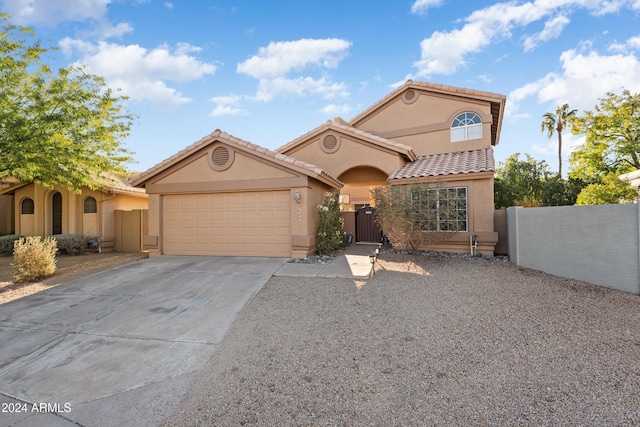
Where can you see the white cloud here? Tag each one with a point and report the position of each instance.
(279, 58)
(632, 43)
(168, 5)
(227, 106)
(336, 110)
(48, 12)
(585, 78)
(444, 52)
(273, 65)
(552, 29)
(139, 72)
(421, 6)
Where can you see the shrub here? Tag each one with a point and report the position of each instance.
(331, 234)
(411, 216)
(72, 244)
(7, 242)
(33, 258)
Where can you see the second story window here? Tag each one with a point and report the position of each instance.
(466, 126)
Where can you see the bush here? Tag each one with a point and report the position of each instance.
(7, 242)
(33, 258)
(331, 234)
(72, 244)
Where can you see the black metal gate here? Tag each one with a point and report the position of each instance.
(366, 229)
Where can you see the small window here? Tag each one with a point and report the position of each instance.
(27, 207)
(466, 126)
(90, 205)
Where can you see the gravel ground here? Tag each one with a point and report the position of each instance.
(427, 341)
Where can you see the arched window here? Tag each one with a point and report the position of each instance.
(90, 205)
(466, 126)
(27, 207)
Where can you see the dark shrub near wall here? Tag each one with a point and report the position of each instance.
(7, 242)
(73, 244)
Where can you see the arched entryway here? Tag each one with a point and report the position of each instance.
(355, 195)
(56, 213)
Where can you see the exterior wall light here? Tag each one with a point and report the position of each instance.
(297, 197)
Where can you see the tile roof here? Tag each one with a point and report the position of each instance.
(432, 87)
(108, 184)
(227, 138)
(454, 163)
(340, 125)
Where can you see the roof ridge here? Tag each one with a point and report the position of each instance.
(428, 85)
(347, 128)
(263, 151)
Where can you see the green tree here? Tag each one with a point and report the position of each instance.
(557, 122)
(611, 148)
(519, 182)
(609, 191)
(557, 191)
(64, 127)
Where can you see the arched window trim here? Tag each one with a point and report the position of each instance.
(465, 126)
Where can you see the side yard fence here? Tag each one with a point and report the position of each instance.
(130, 229)
(594, 244)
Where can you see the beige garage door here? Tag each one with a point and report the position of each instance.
(245, 224)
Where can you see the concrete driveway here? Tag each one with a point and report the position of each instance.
(120, 347)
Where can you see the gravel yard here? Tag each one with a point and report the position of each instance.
(427, 341)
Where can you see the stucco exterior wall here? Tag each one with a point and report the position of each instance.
(480, 214)
(351, 153)
(425, 123)
(596, 244)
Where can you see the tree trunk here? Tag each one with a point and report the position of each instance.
(560, 153)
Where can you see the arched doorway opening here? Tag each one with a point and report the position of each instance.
(355, 195)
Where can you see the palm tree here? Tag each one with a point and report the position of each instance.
(557, 123)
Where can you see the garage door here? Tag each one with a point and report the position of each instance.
(245, 224)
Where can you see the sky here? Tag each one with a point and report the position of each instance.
(270, 71)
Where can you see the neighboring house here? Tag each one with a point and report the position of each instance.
(29, 209)
(226, 196)
(633, 178)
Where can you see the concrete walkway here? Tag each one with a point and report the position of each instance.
(354, 263)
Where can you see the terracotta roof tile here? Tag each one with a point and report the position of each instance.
(223, 136)
(448, 164)
(494, 97)
(347, 129)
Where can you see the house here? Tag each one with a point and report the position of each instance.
(226, 196)
(30, 209)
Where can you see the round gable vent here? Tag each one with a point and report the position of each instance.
(221, 158)
(330, 143)
(410, 96)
